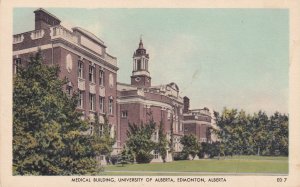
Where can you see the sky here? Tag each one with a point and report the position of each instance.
(234, 58)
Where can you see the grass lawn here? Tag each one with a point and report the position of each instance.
(230, 165)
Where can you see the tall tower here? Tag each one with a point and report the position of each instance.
(140, 74)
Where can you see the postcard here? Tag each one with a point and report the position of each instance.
(131, 93)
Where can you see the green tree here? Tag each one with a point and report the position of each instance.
(101, 138)
(162, 142)
(139, 141)
(242, 133)
(47, 129)
(126, 157)
(278, 140)
(190, 145)
(259, 133)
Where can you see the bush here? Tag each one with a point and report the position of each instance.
(114, 159)
(143, 157)
(181, 156)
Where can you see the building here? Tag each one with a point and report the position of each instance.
(82, 59)
(197, 122)
(92, 72)
(139, 101)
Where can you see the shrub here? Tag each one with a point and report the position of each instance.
(143, 157)
(114, 159)
(181, 156)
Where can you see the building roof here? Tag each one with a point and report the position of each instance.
(45, 11)
(88, 34)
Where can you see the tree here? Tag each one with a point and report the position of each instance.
(162, 142)
(190, 145)
(101, 138)
(47, 129)
(278, 141)
(242, 133)
(259, 132)
(126, 156)
(139, 141)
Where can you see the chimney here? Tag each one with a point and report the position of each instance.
(186, 104)
(44, 19)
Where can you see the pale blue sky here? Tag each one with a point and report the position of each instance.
(236, 58)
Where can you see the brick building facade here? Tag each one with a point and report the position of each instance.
(139, 101)
(92, 72)
(82, 59)
(197, 122)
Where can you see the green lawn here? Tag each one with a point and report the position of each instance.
(230, 165)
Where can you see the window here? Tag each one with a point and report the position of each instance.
(101, 104)
(80, 100)
(91, 129)
(139, 65)
(80, 69)
(155, 154)
(17, 64)
(101, 130)
(124, 114)
(110, 106)
(111, 80)
(91, 73)
(69, 90)
(92, 102)
(101, 77)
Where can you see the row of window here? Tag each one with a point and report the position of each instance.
(92, 103)
(92, 74)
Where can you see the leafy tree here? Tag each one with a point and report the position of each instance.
(171, 142)
(139, 141)
(190, 145)
(162, 142)
(242, 133)
(101, 138)
(47, 129)
(126, 157)
(259, 133)
(278, 141)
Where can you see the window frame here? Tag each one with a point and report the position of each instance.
(101, 77)
(101, 104)
(81, 99)
(80, 66)
(110, 106)
(124, 114)
(92, 73)
(92, 101)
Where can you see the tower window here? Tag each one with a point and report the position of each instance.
(139, 64)
(80, 69)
